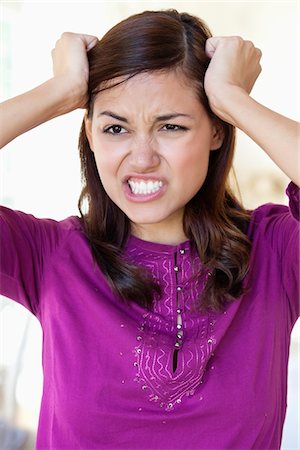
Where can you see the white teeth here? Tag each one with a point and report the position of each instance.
(145, 187)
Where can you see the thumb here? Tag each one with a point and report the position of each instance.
(211, 45)
(89, 41)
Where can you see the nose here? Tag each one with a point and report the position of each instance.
(143, 156)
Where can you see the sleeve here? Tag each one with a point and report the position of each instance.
(25, 244)
(293, 193)
(277, 227)
(291, 252)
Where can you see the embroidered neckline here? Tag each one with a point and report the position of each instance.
(169, 367)
(156, 247)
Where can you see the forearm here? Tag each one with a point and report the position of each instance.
(28, 110)
(277, 135)
(231, 74)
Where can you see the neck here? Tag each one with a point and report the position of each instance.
(158, 234)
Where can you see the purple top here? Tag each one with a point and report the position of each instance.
(109, 381)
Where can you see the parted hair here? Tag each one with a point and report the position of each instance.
(214, 220)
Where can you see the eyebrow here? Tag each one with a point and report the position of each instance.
(157, 119)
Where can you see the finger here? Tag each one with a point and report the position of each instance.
(211, 45)
(90, 41)
(214, 42)
(258, 53)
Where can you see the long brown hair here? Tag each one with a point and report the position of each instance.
(214, 220)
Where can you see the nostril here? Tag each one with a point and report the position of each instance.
(144, 156)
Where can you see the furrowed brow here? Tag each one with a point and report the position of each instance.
(162, 118)
(171, 116)
(113, 115)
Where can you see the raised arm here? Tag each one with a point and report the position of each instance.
(232, 72)
(59, 95)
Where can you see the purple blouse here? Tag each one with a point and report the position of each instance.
(110, 381)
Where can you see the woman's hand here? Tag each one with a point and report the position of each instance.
(70, 64)
(231, 74)
(234, 67)
(63, 93)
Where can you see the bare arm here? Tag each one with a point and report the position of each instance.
(61, 94)
(229, 79)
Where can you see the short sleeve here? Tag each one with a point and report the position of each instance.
(25, 244)
(293, 193)
(276, 228)
(291, 251)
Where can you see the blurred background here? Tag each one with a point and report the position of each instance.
(40, 170)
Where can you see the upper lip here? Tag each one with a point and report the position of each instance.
(145, 177)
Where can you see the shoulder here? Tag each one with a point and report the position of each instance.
(264, 216)
(13, 215)
(275, 226)
(20, 224)
(270, 215)
(275, 235)
(69, 224)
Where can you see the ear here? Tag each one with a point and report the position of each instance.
(88, 130)
(217, 137)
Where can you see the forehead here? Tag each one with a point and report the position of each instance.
(158, 88)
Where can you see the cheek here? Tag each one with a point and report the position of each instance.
(107, 172)
(193, 161)
(106, 160)
(191, 173)
(109, 155)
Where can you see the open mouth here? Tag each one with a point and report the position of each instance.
(143, 187)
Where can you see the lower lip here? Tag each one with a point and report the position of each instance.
(142, 198)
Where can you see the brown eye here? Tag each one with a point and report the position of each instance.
(114, 129)
(173, 127)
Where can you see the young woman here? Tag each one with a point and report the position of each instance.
(166, 307)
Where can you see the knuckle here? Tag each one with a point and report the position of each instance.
(237, 39)
(66, 35)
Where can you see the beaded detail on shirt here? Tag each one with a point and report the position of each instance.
(174, 341)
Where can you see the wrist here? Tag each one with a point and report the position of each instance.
(66, 95)
(229, 103)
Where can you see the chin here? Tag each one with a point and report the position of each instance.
(145, 220)
(151, 216)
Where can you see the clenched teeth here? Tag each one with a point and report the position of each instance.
(145, 187)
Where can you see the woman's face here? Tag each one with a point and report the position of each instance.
(151, 138)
